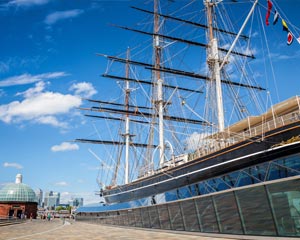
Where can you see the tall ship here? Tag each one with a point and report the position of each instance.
(189, 138)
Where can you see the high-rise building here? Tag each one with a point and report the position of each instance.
(39, 196)
(51, 199)
(76, 202)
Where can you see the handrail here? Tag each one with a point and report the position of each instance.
(234, 138)
(245, 135)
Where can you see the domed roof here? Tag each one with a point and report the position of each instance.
(17, 192)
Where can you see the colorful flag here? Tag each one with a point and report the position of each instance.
(268, 12)
(284, 26)
(289, 38)
(276, 17)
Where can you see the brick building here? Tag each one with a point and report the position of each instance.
(17, 200)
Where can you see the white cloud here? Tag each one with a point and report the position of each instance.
(39, 87)
(281, 56)
(28, 78)
(65, 146)
(88, 197)
(83, 89)
(100, 167)
(62, 183)
(51, 120)
(65, 197)
(37, 106)
(80, 181)
(26, 3)
(13, 165)
(61, 15)
(62, 194)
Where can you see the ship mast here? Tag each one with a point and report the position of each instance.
(159, 82)
(214, 60)
(214, 64)
(127, 134)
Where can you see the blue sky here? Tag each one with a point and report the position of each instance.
(48, 63)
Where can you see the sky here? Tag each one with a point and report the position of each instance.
(48, 63)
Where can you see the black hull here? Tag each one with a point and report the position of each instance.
(247, 153)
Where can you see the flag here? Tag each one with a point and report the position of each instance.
(268, 12)
(284, 26)
(276, 17)
(289, 38)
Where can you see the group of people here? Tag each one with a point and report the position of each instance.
(22, 216)
(46, 216)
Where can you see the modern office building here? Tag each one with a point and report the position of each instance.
(51, 200)
(39, 196)
(76, 202)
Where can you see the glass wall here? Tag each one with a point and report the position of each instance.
(270, 209)
(277, 169)
(259, 200)
(255, 211)
(285, 201)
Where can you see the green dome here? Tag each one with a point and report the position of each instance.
(17, 192)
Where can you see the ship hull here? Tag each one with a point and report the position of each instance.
(246, 153)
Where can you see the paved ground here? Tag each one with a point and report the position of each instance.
(70, 230)
(56, 230)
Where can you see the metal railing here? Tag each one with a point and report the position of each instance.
(214, 145)
(257, 131)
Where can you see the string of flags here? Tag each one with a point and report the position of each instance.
(290, 36)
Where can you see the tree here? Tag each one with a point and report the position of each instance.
(60, 208)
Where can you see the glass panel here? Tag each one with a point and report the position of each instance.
(291, 162)
(258, 171)
(131, 219)
(164, 217)
(219, 184)
(255, 211)
(189, 214)
(203, 189)
(108, 220)
(145, 217)
(227, 213)
(245, 179)
(183, 192)
(175, 216)
(105, 220)
(154, 217)
(194, 189)
(231, 178)
(137, 217)
(171, 195)
(117, 220)
(124, 218)
(207, 215)
(277, 172)
(127, 218)
(114, 219)
(285, 200)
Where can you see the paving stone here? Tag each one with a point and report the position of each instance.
(56, 230)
